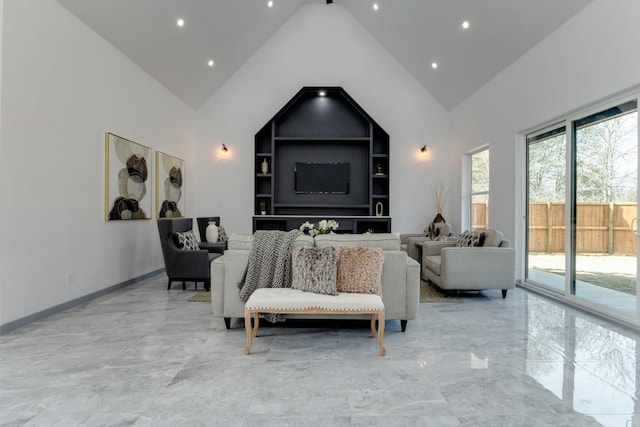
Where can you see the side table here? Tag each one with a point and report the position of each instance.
(213, 248)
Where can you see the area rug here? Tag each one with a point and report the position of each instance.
(202, 296)
(431, 293)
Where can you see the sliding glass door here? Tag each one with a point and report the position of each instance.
(582, 194)
(605, 191)
(546, 190)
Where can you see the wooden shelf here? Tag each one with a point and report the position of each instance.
(347, 224)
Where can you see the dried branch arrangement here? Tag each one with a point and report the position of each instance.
(440, 194)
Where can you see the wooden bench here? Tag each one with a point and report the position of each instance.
(292, 301)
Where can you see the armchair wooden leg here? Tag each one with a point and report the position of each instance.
(169, 285)
(504, 293)
(184, 286)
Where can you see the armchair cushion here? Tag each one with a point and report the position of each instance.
(314, 270)
(493, 238)
(470, 239)
(432, 263)
(222, 234)
(186, 240)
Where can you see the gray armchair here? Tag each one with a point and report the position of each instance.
(183, 265)
(490, 266)
(411, 243)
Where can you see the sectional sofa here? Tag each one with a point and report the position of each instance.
(400, 274)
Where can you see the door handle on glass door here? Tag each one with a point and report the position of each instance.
(634, 230)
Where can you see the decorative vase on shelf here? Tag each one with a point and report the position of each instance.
(379, 209)
(265, 166)
(211, 233)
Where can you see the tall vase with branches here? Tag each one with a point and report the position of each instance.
(440, 194)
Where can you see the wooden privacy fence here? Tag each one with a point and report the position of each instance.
(602, 228)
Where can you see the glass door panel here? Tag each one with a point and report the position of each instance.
(606, 194)
(546, 178)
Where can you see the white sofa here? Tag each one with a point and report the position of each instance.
(400, 274)
(490, 266)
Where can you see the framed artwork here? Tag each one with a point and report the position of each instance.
(127, 179)
(169, 186)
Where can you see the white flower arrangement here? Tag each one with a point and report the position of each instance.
(322, 227)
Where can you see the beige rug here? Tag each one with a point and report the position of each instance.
(201, 296)
(431, 293)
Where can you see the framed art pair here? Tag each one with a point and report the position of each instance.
(128, 181)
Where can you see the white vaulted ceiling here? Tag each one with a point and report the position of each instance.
(415, 32)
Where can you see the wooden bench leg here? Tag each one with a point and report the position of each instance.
(256, 323)
(380, 332)
(373, 325)
(383, 351)
(249, 329)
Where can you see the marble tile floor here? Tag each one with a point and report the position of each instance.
(144, 356)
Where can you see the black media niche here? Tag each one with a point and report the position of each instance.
(322, 157)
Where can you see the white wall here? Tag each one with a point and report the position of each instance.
(319, 46)
(62, 87)
(594, 55)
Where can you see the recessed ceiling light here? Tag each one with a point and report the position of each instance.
(210, 63)
(434, 65)
(322, 93)
(375, 6)
(270, 3)
(180, 22)
(465, 25)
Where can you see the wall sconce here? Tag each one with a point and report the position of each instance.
(224, 152)
(423, 151)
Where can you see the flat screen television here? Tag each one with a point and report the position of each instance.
(321, 178)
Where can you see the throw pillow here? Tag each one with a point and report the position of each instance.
(222, 234)
(470, 239)
(186, 240)
(360, 269)
(314, 270)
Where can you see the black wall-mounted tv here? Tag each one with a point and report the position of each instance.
(321, 178)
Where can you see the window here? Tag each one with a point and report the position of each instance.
(479, 190)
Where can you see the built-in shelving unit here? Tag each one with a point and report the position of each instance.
(322, 126)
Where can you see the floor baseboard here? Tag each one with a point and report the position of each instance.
(23, 321)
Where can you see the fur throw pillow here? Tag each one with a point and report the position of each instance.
(360, 269)
(314, 269)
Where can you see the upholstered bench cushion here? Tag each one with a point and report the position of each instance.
(291, 300)
(433, 263)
